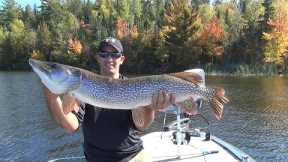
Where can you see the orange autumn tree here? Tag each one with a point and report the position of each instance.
(121, 27)
(124, 31)
(75, 46)
(277, 39)
(212, 37)
(213, 31)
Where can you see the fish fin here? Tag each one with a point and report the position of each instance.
(189, 76)
(217, 102)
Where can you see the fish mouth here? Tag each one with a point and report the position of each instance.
(39, 66)
(33, 63)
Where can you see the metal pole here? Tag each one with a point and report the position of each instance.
(179, 130)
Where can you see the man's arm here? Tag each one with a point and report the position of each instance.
(144, 116)
(68, 121)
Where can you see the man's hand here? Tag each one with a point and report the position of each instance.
(189, 106)
(69, 104)
(48, 93)
(144, 116)
(162, 100)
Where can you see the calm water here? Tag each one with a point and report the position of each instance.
(255, 120)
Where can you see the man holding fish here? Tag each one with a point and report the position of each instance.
(109, 135)
(112, 108)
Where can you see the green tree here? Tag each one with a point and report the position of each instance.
(197, 3)
(17, 46)
(124, 10)
(106, 9)
(181, 30)
(206, 12)
(3, 39)
(276, 48)
(234, 25)
(252, 13)
(29, 17)
(17, 34)
(3, 35)
(159, 14)
(268, 13)
(105, 17)
(44, 40)
(9, 12)
(148, 16)
(136, 10)
(75, 7)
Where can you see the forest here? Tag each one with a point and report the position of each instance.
(159, 36)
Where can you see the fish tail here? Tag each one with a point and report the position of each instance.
(217, 102)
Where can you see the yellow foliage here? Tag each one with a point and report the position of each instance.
(121, 27)
(166, 30)
(277, 39)
(124, 31)
(75, 46)
(37, 55)
(267, 36)
(276, 48)
(134, 32)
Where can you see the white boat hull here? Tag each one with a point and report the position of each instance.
(161, 147)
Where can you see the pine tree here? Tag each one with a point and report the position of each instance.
(181, 29)
(136, 10)
(9, 12)
(29, 17)
(268, 13)
(124, 10)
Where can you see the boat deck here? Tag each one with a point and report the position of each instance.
(160, 146)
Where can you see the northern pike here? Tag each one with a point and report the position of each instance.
(129, 93)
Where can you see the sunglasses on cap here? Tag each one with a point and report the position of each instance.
(110, 40)
(114, 55)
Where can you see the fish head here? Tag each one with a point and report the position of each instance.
(58, 78)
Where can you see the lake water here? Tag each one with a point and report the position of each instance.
(255, 120)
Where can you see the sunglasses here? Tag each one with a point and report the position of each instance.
(114, 55)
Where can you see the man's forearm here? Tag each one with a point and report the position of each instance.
(67, 121)
(143, 117)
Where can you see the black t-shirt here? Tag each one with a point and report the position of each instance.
(109, 134)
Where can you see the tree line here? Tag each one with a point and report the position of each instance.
(158, 35)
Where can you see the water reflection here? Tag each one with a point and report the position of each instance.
(255, 120)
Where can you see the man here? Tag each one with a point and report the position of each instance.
(109, 135)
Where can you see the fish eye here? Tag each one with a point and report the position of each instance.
(53, 65)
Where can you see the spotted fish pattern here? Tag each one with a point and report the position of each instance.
(130, 93)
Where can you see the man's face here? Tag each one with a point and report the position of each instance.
(109, 65)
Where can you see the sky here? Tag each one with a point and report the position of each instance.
(23, 3)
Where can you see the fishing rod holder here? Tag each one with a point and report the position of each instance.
(183, 127)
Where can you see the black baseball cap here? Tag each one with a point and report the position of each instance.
(112, 42)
